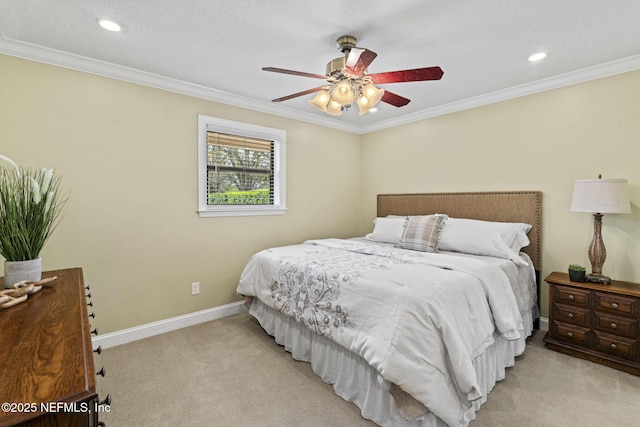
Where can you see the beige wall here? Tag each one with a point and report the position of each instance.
(127, 154)
(539, 142)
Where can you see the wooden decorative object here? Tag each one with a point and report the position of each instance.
(597, 253)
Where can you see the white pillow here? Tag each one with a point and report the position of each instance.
(496, 239)
(387, 229)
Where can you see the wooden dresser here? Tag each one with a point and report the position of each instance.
(595, 322)
(46, 357)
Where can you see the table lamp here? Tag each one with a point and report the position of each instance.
(599, 196)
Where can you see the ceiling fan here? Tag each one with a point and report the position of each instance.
(348, 81)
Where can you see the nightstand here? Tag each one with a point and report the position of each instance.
(595, 322)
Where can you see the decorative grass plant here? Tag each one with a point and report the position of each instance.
(30, 207)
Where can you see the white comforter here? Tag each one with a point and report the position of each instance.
(418, 318)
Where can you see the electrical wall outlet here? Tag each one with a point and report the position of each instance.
(195, 288)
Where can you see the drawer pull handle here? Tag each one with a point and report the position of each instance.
(95, 331)
(98, 350)
(614, 305)
(90, 304)
(614, 346)
(613, 325)
(570, 334)
(571, 297)
(570, 315)
(106, 401)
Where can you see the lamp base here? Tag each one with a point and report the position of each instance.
(598, 278)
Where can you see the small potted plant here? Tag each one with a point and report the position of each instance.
(577, 273)
(30, 207)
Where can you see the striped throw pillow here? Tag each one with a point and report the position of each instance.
(421, 233)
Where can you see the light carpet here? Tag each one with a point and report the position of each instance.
(229, 372)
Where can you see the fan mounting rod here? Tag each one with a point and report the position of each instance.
(345, 44)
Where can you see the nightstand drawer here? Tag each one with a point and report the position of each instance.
(616, 303)
(617, 346)
(571, 333)
(568, 295)
(616, 325)
(597, 322)
(571, 314)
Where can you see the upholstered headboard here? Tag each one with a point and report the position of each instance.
(508, 206)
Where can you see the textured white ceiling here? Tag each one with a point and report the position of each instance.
(216, 49)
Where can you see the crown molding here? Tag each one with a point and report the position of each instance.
(631, 63)
(80, 63)
(106, 69)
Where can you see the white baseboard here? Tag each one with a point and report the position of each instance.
(544, 324)
(160, 327)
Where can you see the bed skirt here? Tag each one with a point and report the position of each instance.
(355, 381)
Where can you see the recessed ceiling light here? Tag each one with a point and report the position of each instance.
(537, 56)
(109, 25)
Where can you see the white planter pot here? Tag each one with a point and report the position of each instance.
(16, 271)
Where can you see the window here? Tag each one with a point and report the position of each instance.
(241, 168)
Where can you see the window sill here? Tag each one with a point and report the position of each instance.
(236, 211)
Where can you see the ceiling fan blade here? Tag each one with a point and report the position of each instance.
(295, 95)
(295, 73)
(393, 99)
(415, 75)
(358, 61)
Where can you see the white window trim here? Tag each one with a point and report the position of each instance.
(243, 129)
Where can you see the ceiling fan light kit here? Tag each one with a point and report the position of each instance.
(341, 95)
(334, 108)
(348, 81)
(321, 100)
(371, 95)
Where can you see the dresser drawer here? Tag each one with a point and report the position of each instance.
(571, 333)
(616, 325)
(617, 346)
(616, 304)
(594, 321)
(569, 295)
(572, 314)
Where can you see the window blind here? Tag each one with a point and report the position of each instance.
(240, 170)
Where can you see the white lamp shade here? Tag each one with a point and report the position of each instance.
(601, 196)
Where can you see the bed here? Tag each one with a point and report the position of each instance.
(416, 331)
